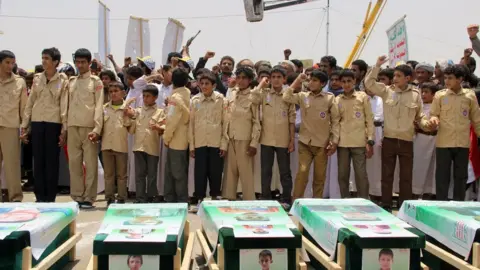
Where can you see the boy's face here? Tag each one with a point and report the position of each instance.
(315, 85)
(130, 81)
(348, 84)
(106, 81)
(385, 262)
(243, 81)
(400, 80)
(207, 87)
(384, 79)
(358, 73)
(277, 80)
(335, 82)
(134, 263)
(427, 96)
(265, 262)
(263, 75)
(452, 82)
(116, 94)
(149, 99)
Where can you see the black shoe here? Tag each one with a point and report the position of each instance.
(28, 186)
(121, 201)
(87, 205)
(110, 201)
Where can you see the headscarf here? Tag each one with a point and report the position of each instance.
(443, 64)
(425, 66)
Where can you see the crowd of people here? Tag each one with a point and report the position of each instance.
(316, 123)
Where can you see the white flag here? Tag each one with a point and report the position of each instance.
(397, 43)
(172, 42)
(103, 32)
(138, 38)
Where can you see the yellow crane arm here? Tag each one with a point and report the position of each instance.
(370, 20)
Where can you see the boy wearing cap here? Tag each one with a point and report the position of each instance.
(147, 64)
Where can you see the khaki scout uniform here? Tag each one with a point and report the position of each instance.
(276, 117)
(13, 97)
(146, 150)
(46, 116)
(356, 128)
(320, 125)
(176, 137)
(207, 138)
(242, 130)
(456, 112)
(85, 115)
(115, 150)
(401, 109)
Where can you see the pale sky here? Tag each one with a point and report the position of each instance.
(436, 28)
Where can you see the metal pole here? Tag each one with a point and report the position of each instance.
(328, 25)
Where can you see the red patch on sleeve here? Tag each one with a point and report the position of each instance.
(172, 103)
(99, 87)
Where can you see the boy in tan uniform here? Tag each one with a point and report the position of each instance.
(242, 129)
(453, 111)
(356, 136)
(176, 139)
(147, 129)
(13, 97)
(85, 122)
(319, 131)
(115, 143)
(402, 106)
(208, 144)
(278, 133)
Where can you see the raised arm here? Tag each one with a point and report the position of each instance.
(379, 89)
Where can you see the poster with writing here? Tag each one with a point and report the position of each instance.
(397, 43)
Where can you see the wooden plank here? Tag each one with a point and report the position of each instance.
(319, 255)
(177, 260)
(220, 257)
(187, 256)
(424, 267)
(341, 255)
(449, 258)
(58, 253)
(476, 255)
(301, 265)
(72, 227)
(27, 258)
(186, 233)
(207, 253)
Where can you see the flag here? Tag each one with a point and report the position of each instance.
(397, 42)
(172, 42)
(103, 32)
(138, 38)
(474, 157)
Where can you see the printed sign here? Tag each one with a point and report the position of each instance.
(385, 259)
(133, 262)
(397, 43)
(264, 259)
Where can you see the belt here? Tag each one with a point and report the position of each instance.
(428, 133)
(378, 123)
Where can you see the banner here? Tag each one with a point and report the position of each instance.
(103, 32)
(172, 42)
(397, 42)
(138, 38)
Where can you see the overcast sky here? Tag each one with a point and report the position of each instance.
(436, 28)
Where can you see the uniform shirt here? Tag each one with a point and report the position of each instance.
(145, 139)
(115, 128)
(276, 116)
(456, 112)
(242, 121)
(85, 102)
(13, 97)
(356, 119)
(178, 115)
(206, 121)
(48, 101)
(320, 117)
(401, 108)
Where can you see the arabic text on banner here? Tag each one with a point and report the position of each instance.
(397, 43)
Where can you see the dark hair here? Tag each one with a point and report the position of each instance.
(292, 77)
(179, 77)
(15, 68)
(148, 71)
(387, 72)
(336, 73)
(347, 73)
(116, 84)
(265, 253)
(108, 73)
(413, 63)
(135, 72)
(208, 75)
(6, 54)
(430, 86)
(297, 63)
(82, 53)
(279, 69)
(456, 70)
(54, 53)
(201, 71)
(332, 62)
(309, 69)
(362, 65)
(322, 76)
(405, 69)
(135, 256)
(247, 71)
(264, 70)
(227, 57)
(173, 54)
(39, 68)
(151, 89)
(385, 251)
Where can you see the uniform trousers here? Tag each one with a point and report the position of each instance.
(115, 166)
(10, 155)
(175, 187)
(283, 159)
(444, 158)
(238, 164)
(145, 176)
(306, 155)
(347, 155)
(208, 169)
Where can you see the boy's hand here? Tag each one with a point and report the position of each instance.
(62, 139)
(192, 153)
(93, 137)
(472, 30)
(208, 55)
(232, 82)
(467, 52)
(302, 77)
(433, 123)
(381, 60)
(24, 135)
(369, 152)
(127, 61)
(129, 112)
(331, 148)
(287, 53)
(291, 146)
(223, 153)
(251, 151)
(263, 83)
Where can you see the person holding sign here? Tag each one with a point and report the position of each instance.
(472, 33)
(402, 107)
